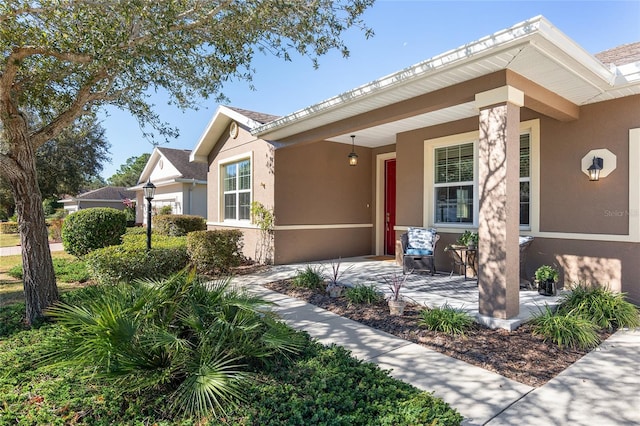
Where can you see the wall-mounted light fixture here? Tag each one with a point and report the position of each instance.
(594, 168)
(598, 163)
(353, 157)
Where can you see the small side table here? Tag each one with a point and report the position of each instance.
(462, 257)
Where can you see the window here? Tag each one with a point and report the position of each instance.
(455, 185)
(236, 179)
(525, 179)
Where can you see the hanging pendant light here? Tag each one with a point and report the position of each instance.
(353, 157)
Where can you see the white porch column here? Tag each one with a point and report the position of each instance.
(499, 196)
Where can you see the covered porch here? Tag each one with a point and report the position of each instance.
(420, 288)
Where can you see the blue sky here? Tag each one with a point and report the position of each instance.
(406, 32)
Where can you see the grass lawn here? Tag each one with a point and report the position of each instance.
(11, 290)
(9, 240)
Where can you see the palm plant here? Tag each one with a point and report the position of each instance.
(190, 339)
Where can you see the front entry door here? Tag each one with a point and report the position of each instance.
(390, 207)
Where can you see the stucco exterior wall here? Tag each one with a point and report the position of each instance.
(195, 199)
(569, 202)
(323, 205)
(228, 149)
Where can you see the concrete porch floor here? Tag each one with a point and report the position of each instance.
(421, 288)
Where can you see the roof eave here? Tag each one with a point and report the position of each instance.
(219, 122)
(537, 32)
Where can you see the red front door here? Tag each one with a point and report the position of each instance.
(390, 207)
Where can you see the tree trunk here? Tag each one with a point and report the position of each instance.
(38, 277)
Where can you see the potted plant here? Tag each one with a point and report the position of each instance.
(468, 239)
(395, 300)
(546, 277)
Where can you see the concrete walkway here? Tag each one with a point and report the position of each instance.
(11, 251)
(603, 388)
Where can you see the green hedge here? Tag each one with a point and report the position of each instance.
(215, 251)
(8, 227)
(91, 229)
(131, 260)
(177, 225)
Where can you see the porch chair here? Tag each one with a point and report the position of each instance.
(525, 242)
(419, 249)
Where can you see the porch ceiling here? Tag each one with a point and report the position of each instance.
(533, 49)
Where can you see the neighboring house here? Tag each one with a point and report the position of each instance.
(180, 184)
(109, 196)
(495, 136)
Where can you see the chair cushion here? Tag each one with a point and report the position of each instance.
(524, 239)
(421, 239)
(418, 252)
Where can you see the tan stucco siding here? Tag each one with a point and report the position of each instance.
(227, 150)
(323, 205)
(569, 202)
(411, 168)
(613, 264)
(321, 244)
(316, 186)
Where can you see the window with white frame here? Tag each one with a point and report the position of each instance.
(525, 179)
(236, 200)
(455, 183)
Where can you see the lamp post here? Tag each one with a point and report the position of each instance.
(149, 191)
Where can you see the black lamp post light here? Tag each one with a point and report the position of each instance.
(149, 191)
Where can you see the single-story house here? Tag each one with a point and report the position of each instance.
(181, 185)
(108, 196)
(498, 136)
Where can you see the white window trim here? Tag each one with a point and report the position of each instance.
(532, 127)
(221, 165)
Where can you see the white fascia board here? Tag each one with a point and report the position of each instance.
(523, 33)
(576, 52)
(194, 181)
(459, 56)
(148, 168)
(219, 122)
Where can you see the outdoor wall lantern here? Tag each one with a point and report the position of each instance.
(149, 191)
(594, 169)
(598, 163)
(353, 157)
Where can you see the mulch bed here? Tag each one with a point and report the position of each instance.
(519, 355)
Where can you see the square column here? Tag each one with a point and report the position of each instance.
(499, 197)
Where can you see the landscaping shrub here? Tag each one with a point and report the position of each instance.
(131, 260)
(363, 294)
(446, 319)
(54, 226)
(90, 229)
(8, 227)
(566, 329)
(191, 340)
(215, 251)
(135, 230)
(601, 306)
(68, 271)
(309, 277)
(177, 225)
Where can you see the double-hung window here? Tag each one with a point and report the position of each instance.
(236, 201)
(525, 179)
(455, 183)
